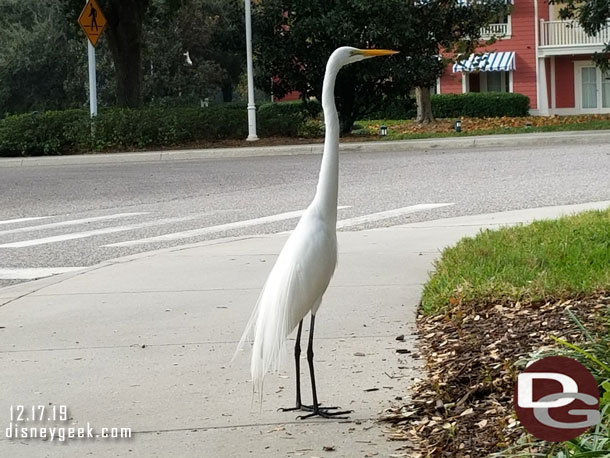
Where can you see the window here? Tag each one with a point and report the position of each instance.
(589, 87)
(494, 82)
(491, 82)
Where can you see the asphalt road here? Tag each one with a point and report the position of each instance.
(84, 208)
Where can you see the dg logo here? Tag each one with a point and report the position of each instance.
(557, 399)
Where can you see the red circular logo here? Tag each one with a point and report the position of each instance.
(557, 399)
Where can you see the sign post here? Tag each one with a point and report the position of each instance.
(92, 21)
(92, 80)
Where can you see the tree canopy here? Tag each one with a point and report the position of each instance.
(295, 37)
(140, 57)
(37, 56)
(43, 53)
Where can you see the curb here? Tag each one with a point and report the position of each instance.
(483, 141)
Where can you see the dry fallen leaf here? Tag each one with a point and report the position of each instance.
(465, 402)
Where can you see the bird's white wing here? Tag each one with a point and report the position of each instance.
(294, 287)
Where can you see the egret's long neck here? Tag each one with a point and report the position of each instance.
(328, 184)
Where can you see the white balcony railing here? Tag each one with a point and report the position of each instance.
(569, 33)
(495, 30)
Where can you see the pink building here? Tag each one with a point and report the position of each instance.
(540, 56)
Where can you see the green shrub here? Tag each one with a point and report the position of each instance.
(399, 108)
(72, 131)
(311, 128)
(52, 132)
(479, 105)
(285, 118)
(125, 128)
(472, 104)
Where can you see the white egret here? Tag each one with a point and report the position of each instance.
(307, 261)
(188, 60)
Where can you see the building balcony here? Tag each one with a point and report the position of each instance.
(567, 37)
(498, 31)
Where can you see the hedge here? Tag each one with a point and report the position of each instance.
(397, 108)
(480, 105)
(472, 104)
(286, 118)
(38, 134)
(70, 131)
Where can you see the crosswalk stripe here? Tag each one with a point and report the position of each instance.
(213, 229)
(373, 217)
(73, 222)
(22, 220)
(108, 230)
(32, 273)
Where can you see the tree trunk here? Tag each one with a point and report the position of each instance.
(124, 33)
(345, 99)
(227, 91)
(346, 122)
(424, 105)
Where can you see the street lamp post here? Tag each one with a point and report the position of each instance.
(251, 105)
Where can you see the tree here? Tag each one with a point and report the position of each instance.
(38, 55)
(452, 27)
(147, 39)
(593, 16)
(295, 37)
(125, 39)
(124, 33)
(170, 31)
(227, 41)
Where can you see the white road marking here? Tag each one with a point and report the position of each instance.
(32, 273)
(212, 229)
(22, 220)
(108, 230)
(73, 222)
(342, 224)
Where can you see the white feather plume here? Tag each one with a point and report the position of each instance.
(294, 287)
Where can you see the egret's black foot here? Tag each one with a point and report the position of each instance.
(305, 408)
(323, 412)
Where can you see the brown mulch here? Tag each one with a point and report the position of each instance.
(444, 125)
(465, 406)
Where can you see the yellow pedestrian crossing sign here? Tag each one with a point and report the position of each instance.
(92, 21)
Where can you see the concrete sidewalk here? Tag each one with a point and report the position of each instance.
(145, 342)
(449, 143)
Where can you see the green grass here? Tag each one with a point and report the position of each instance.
(554, 259)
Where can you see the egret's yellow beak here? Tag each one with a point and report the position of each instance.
(376, 52)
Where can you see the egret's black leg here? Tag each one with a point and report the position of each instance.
(297, 364)
(316, 409)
